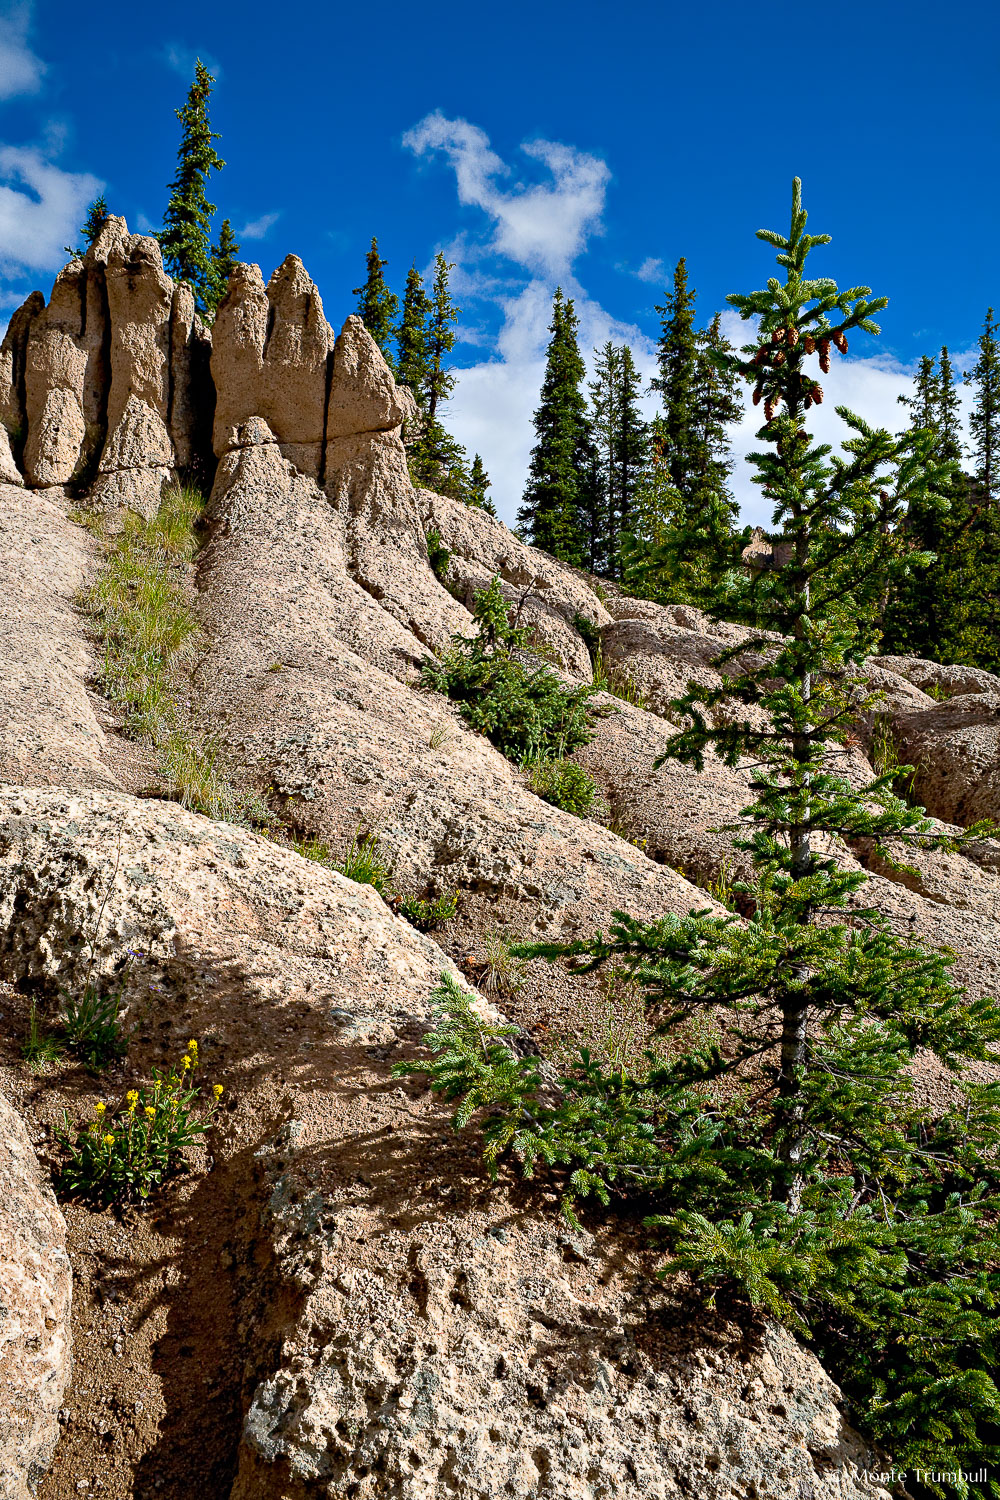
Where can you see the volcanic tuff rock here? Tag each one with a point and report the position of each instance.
(35, 1295)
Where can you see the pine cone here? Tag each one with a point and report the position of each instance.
(824, 363)
(841, 342)
(768, 409)
(824, 348)
(810, 344)
(757, 395)
(807, 402)
(792, 337)
(776, 336)
(779, 358)
(817, 394)
(760, 356)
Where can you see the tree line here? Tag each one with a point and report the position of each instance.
(649, 503)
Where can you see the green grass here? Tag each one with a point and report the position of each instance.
(141, 612)
(149, 632)
(425, 913)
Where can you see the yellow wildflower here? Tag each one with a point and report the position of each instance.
(192, 1045)
(217, 1091)
(133, 1099)
(109, 1140)
(150, 1112)
(99, 1108)
(185, 1064)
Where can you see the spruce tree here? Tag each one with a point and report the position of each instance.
(984, 419)
(440, 339)
(621, 439)
(677, 356)
(790, 1161)
(185, 238)
(225, 257)
(946, 606)
(561, 460)
(97, 213)
(479, 484)
(411, 338)
(378, 306)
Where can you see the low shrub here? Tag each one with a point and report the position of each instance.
(122, 1155)
(438, 555)
(525, 711)
(564, 784)
(426, 914)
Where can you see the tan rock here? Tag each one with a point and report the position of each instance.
(271, 359)
(238, 337)
(138, 458)
(476, 1350)
(50, 733)
(949, 681)
(955, 747)
(363, 395)
(62, 342)
(35, 1298)
(546, 593)
(13, 413)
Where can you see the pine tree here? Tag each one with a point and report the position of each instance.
(378, 306)
(479, 485)
(225, 257)
(185, 238)
(790, 1161)
(984, 419)
(946, 607)
(411, 338)
(97, 213)
(563, 456)
(440, 339)
(677, 356)
(621, 438)
(690, 476)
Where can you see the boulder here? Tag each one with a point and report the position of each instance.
(945, 681)
(955, 747)
(476, 1350)
(35, 1300)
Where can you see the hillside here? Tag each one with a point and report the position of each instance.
(335, 1300)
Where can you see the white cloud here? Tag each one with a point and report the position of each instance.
(256, 229)
(543, 227)
(20, 70)
(652, 269)
(41, 209)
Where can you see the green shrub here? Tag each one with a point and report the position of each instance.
(590, 632)
(564, 784)
(122, 1155)
(438, 555)
(525, 711)
(426, 914)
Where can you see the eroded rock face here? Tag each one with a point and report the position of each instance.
(481, 1354)
(35, 1298)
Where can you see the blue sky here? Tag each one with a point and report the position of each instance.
(535, 143)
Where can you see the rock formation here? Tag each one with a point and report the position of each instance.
(398, 1326)
(35, 1294)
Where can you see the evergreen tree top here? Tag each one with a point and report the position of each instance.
(377, 305)
(187, 222)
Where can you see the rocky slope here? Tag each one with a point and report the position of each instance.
(362, 1312)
